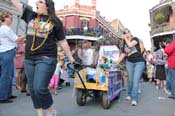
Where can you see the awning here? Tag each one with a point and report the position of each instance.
(82, 37)
(160, 5)
(163, 33)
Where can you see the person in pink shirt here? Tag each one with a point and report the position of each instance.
(55, 79)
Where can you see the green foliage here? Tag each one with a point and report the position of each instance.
(89, 33)
(159, 17)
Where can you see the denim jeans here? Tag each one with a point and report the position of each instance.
(39, 72)
(135, 71)
(7, 73)
(171, 72)
(168, 84)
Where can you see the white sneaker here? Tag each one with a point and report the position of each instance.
(157, 87)
(128, 98)
(133, 103)
(52, 114)
(139, 91)
(167, 91)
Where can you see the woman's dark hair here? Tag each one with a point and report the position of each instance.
(162, 45)
(4, 15)
(51, 11)
(98, 43)
(168, 41)
(148, 51)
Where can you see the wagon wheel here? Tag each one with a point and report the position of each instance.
(105, 101)
(81, 97)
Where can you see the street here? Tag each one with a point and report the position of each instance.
(152, 102)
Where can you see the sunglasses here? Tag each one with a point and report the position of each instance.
(126, 32)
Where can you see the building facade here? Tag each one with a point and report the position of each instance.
(118, 26)
(162, 22)
(85, 22)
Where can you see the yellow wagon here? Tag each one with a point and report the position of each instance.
(105, 82)
(107, 86)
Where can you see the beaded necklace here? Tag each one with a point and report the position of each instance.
(36, 29)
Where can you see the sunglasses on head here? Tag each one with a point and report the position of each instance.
(126, 31)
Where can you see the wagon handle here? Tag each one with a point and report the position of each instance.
(77, 67)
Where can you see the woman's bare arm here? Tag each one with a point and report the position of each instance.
(64, 45)
(20, 39)
(121, 57)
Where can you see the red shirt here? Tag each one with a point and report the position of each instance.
(170, 51)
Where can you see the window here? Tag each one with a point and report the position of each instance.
(84, 24)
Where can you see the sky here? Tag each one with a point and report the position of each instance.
(134, 14)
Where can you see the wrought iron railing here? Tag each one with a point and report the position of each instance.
(164, 27)
(78, 31)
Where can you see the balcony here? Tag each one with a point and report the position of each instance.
(162, 18)
(90, 32)
(78, 31)
(159, 28)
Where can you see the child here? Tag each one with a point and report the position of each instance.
(54, 80)
(65, 75)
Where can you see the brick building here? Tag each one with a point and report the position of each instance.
(85, 22)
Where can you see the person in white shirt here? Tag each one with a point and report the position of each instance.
(8, 43)
(88, 54)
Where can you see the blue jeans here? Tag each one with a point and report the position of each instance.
(7, 73)
(39, 72)
(168, 84)
(171, 72)
(135, 71)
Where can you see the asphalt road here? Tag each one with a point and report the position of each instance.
(152, 102)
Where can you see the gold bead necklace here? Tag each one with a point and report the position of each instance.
(36, 29)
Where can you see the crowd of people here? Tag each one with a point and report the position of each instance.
(158, 63)
(38, 60)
